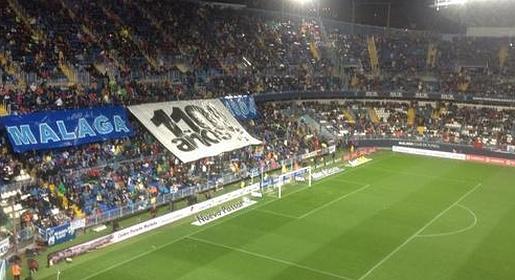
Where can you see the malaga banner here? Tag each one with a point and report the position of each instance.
(193, 129)
(241, 107)
(57, 129)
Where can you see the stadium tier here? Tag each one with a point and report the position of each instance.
(110, 109)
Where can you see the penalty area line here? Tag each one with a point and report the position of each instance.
(467, 228)
(243, 251)
(276, 214)
(101, 271)
(416, 234)
(334, 201)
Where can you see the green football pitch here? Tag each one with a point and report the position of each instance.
(396, 217)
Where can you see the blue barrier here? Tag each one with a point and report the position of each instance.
(399, 95)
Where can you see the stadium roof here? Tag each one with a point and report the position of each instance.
(411, 14)
(479, 13)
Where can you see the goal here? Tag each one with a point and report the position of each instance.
(273, 184)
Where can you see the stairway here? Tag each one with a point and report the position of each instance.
(438, 112)
(24, 16)
(13, 69)
(65, 67)
(503, 56)
(152, 19)
(411, 116)
(158, 25)
(372, 114)
(510, 60)
(67, 70)
(113, 56)
(349, 116)
(315, 52)
(435, 114)
(316, 125)
(374, 58)
(72, 15)
(3, 109)
(331, 54)
(136, 40)
(421, 129)
(184, 68)
(432, 52)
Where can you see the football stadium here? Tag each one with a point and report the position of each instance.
(257, 140)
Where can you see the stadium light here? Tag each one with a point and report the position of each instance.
(302, 2)
(446, 3)
(443, 3)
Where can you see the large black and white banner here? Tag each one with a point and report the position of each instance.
(5, 245)
(193, 129)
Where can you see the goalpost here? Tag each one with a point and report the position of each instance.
(3, 269)
(273, 184)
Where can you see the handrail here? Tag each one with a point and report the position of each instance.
(225, 179)
(385, 95)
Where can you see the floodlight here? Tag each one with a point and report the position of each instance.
(302, 2)
(446, 3)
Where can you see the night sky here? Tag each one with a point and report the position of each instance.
(411, 14)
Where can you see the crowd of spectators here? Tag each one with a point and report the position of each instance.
(33, 54)
(211, 52)
(425, 62)
(97, 177)
(218, 51)
(479, 126)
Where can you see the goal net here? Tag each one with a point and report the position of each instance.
(272, 185)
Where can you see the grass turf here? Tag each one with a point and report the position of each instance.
(397, 217)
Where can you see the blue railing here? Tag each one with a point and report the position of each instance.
(140, 206)
(225, 179)
(401, 95)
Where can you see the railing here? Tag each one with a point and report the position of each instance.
(470, 97)
(145, 77)
(327, 26)
(12, 68)
(131, 209)
(112, 161)
(225, 179)
(14, 186)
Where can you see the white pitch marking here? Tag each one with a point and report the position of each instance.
(419, 175)
(216, 244)
(334, 201)
(276, 214)
(186, 236)
(348, 181)
(418, 232)
(469, 227)
(222, 221)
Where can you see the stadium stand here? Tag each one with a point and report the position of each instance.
(100, 177)
(185, 50)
